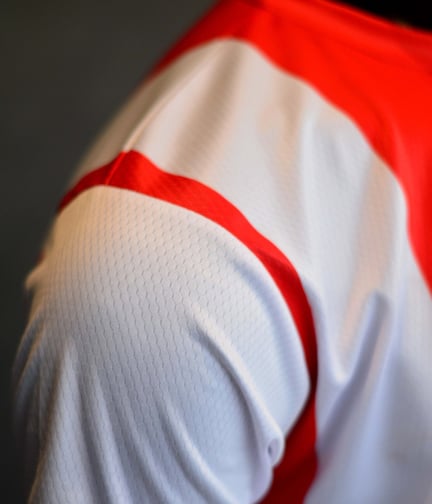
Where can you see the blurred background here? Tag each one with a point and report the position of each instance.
(66, 68)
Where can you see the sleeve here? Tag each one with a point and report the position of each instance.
(160, 363)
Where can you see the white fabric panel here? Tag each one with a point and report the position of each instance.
(375, 401)
(156, 378)
(121, 131)
(303, 174)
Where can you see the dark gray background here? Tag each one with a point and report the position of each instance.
(65, 69)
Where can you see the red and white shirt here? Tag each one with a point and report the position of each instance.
(234, 304)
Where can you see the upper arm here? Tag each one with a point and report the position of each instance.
(160, 362)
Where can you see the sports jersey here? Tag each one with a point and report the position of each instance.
(234, 303)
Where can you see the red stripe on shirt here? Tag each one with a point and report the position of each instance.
(133, 171)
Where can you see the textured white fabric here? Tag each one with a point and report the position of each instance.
(155, 381)
(160, 361)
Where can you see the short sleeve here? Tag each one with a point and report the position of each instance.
(159, 364)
